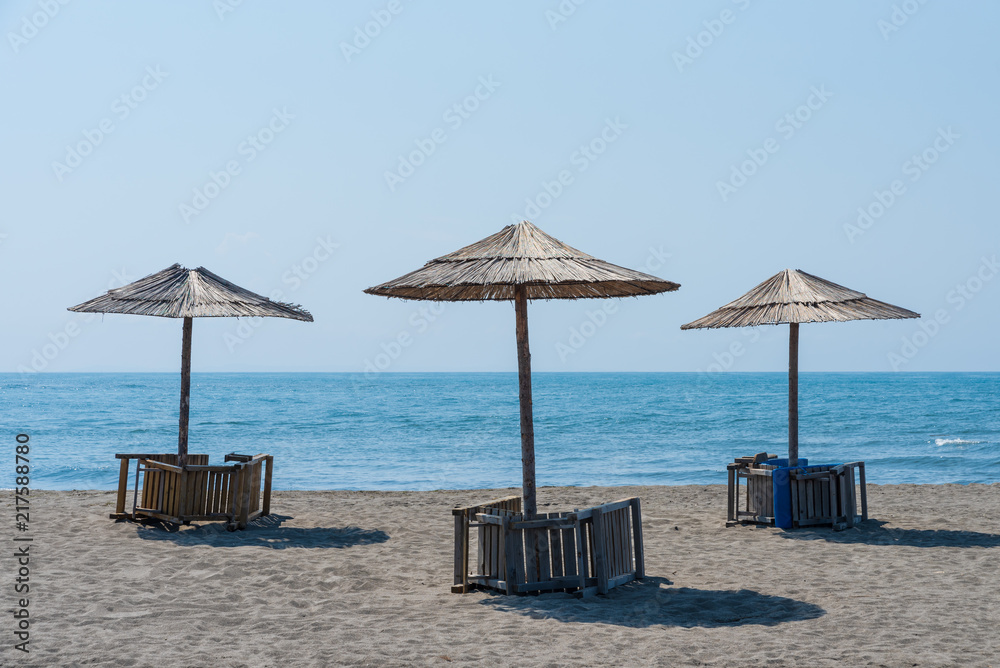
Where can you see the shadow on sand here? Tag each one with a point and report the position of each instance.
(874, 532)
(650, 602)
(264, 531)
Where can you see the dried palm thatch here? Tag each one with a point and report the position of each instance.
(792, 297)
(177, 292)
(795, 296)
(520, 263)
(520, 255)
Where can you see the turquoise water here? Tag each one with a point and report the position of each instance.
(440, 431)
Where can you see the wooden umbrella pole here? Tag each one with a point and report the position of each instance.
(182, 431)
(524, 392)
(793, 394)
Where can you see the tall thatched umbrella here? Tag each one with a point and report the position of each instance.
(792, 297)
(518, 263)
(177, 292)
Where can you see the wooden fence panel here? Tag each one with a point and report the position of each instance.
(589, 551)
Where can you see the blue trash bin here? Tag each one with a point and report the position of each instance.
(780, 480)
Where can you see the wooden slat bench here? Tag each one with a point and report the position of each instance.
(758, 507)
(196, 492)
(829, 496)
(585, 551)
(818, 495)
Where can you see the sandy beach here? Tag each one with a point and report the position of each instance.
(363, 578)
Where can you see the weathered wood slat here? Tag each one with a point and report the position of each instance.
(803, 501)
(731, 486)
(225, 496)
(481, 538)
(519, 567)
(569, 552)
(167, 503)
(258, 476)
(551, 585)
(268, 472)
(207, 517)
(542, 524)
(544, 556)
(461, 553)
(615, 505)
(184, 493)
(864, 491)
(556, 551)
(796, 508)
(581, 555)
(615, 544)
(198, 494)
(600, 555)
(810, 498)
(824, 486)
(640, 555)
(510, 556)
(122, 487)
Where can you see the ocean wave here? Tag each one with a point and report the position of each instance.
(955, 441)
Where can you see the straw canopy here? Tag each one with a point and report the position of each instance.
(520, 263)
(789, 298)
(520, 255)
(793, 296)
(177, 292)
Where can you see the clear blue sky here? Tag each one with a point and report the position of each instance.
(186, 89)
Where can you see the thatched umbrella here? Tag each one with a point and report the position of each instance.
(518, 263)
(177, 292)
(792, 297)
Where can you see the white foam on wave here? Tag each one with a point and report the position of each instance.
(954, 441)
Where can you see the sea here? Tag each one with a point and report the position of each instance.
(428, 431)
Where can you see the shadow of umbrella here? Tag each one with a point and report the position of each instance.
(268, 532)
(874, 532)
(646, 603)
